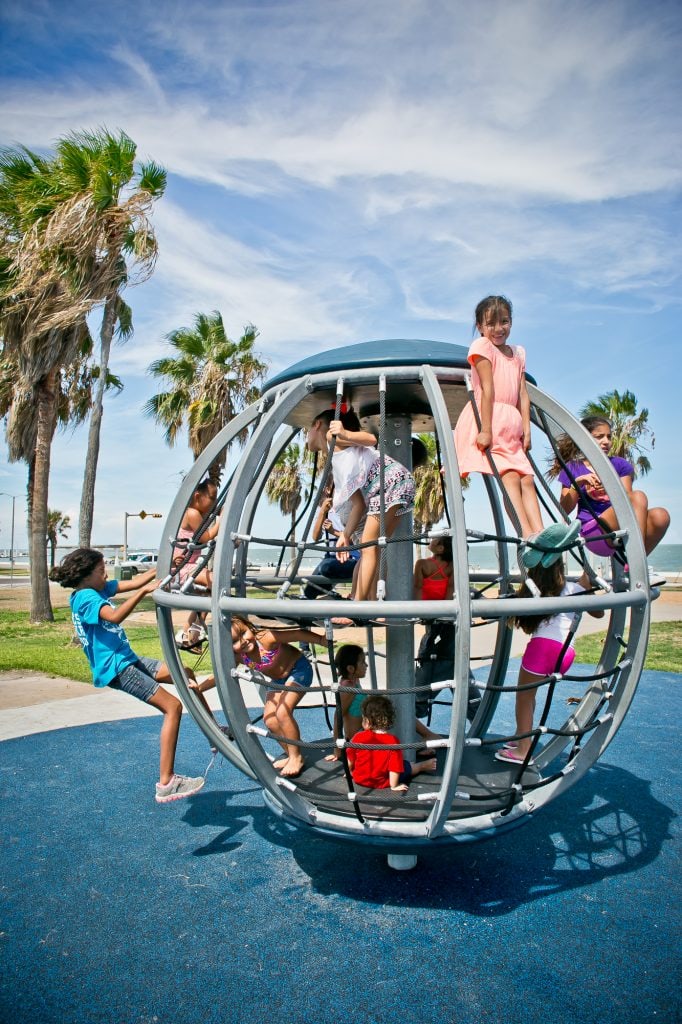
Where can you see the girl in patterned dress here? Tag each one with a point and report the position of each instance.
(356, 466)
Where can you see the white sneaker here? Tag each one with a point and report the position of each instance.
(655, 578)
(178, 787)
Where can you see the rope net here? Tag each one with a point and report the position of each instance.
(474, 723)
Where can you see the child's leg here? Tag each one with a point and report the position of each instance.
(657, 523)
(424, 732)
(524, 500)
(525, 709)
(653, 523)
(284, 724)
(163, 676)
(171, 709)
(196, 621)
(428, 765)
(369, 562)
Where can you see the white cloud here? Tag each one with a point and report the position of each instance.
(520, 99)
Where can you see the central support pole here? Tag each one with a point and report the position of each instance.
(399, 587)
(400, 636)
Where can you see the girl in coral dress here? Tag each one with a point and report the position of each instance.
(497, 375)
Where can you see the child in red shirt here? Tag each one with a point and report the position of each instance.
(379, 769)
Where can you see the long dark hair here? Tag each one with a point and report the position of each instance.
(446, 554)
(550, 581)
(76, 566)
(568, 450)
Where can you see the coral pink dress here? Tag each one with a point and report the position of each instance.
(507, 427)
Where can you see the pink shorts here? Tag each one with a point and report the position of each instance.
(541, 654)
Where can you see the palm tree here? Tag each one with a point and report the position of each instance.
(210, 380)
(285, 486)
(429, 504)
(42, 331)
(18, 405)
(105, 165)
(58, 258)
(627, 425)
(58, 525)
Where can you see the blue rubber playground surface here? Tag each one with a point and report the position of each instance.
(118, 911)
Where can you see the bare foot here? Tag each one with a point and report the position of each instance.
(280, 763)
(425, 766)
(293, 768)
(332, 757)
(342, 622)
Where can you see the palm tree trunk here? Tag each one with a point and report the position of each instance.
(87, 508)
(30, 487)
(41, 608)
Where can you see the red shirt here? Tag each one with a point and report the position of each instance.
(371, 767)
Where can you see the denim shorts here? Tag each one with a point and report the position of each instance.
(301, 674)
(139, 679)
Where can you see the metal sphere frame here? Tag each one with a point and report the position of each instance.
(427, 382)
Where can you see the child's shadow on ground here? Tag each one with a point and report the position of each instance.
(212, 808)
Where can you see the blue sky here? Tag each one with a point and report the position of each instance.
(346, 171)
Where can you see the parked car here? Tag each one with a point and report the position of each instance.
(140, 561)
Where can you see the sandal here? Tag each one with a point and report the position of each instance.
(509, 754)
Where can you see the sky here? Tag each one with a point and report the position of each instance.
(343, 171)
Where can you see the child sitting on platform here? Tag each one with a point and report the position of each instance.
(381, 769)
(351, 666)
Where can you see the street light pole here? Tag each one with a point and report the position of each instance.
(11, 543)
(135, 515)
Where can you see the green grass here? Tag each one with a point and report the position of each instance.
(664, 653)
(49, 648)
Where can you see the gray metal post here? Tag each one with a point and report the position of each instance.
(399, 636)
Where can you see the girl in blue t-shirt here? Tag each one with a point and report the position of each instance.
(113, 662)
(584, 489)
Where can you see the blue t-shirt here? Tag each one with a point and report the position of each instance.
(590, 507)
(105, 643)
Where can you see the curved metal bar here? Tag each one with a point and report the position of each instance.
(223, 656)
(589, 728)
(459, 607)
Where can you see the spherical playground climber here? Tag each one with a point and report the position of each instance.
(399, 388)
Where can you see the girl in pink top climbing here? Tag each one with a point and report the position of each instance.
(497, 375)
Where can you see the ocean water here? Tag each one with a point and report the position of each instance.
(666, 558)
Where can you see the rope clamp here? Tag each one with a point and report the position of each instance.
(285, 783)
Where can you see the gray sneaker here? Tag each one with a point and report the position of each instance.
(179, 786)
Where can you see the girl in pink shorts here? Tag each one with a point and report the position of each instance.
(547, 639)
